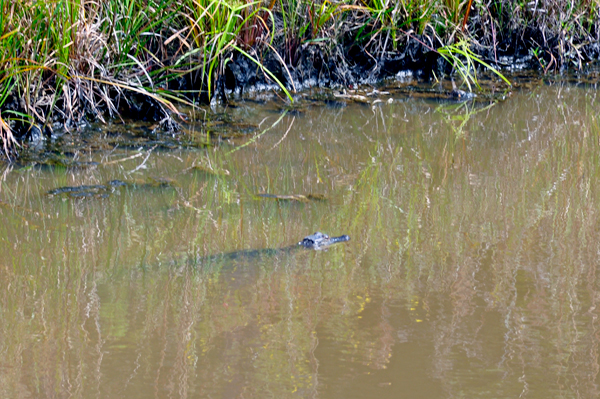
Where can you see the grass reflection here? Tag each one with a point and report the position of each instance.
(472, 262)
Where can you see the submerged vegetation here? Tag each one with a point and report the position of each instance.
(63, 61)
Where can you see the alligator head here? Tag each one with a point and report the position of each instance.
(321, 241)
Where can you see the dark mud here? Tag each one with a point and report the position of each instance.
(215, 126)
(60, 147)
(351, 66)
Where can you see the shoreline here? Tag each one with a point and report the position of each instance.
(146, 61)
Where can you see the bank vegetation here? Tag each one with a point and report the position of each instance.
(67, 61)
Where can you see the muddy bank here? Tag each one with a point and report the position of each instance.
(226, 124)
(352, 46)
(351, 66)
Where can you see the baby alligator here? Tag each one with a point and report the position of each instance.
(317, 241)
(321, 241)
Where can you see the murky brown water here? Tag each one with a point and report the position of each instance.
(472, 269)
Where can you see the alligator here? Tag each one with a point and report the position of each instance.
(317, 241)
(320, 241)
(104, 190)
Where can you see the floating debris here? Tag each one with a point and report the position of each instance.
(353, 97)
(294, 197)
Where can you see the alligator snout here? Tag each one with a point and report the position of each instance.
(319, 240)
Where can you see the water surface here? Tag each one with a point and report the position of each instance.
(471, 270)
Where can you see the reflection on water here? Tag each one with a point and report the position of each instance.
(471, 270)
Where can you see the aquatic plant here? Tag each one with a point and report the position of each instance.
(464, 61)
